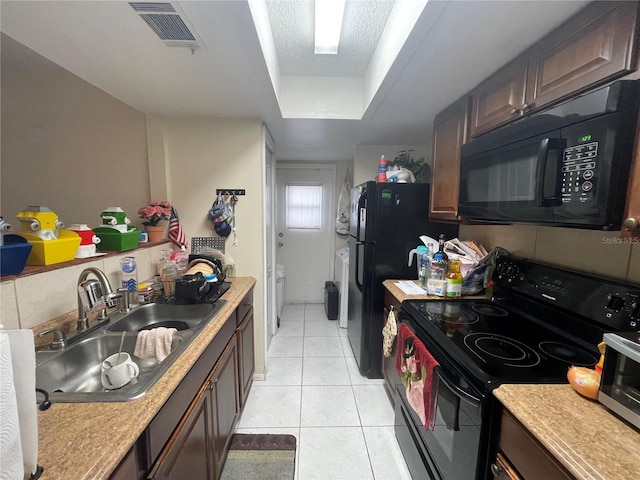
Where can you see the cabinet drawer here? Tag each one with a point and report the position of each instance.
(244, 307)
(526, 454)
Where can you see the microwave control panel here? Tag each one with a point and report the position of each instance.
(579, 165)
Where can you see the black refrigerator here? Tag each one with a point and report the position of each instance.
(386, 222)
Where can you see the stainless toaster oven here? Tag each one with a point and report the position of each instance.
(620, 382)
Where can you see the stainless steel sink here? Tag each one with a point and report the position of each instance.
(73, 373)
(181, 317)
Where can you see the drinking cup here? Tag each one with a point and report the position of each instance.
(118, 370)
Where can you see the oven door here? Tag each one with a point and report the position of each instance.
(450, 451)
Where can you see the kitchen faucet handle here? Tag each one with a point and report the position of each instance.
(59, 338)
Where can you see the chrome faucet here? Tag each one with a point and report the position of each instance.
(93, 294)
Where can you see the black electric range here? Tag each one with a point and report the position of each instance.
(540, 320)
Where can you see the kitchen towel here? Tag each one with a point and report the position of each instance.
(154, 343)
(389, 333)
(416, 367)
(18, 417)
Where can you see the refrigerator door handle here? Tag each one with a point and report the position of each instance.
(361, 205)
(359, 283)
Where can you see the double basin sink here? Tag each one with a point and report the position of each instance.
(72, 374)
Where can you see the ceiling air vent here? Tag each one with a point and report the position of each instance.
(169, 24)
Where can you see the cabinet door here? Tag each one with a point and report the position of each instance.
(246, 360)
(631, 223)
(500, 98)
(187, 453)
(449, 133)
(527, 455)
(225, 406)
(593, 47)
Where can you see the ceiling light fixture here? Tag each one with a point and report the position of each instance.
(328, 21)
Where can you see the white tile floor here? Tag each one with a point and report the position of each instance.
(343, 422)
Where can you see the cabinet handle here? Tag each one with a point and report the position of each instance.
(630, 223)
(495, 470)
(525, 108)
(515, 111)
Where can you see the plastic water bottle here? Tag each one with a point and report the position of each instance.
(425, 268)
(382, 170)
(129, 272)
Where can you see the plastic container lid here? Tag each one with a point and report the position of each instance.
(422, 250)
(211, 277)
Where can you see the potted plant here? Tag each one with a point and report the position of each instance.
(415, 163)
(153, 213)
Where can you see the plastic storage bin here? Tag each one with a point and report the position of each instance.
(112, 240)
(14, 254)
(48, 252)
(331, 300)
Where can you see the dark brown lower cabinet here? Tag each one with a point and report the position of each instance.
(197, 448)
(246, 358)
(225, 404)
(523, 457)
(189, 436)
(187, 453)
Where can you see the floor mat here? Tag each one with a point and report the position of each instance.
(260, 457)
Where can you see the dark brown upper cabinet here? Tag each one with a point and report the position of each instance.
(449, 133)
(593, 47)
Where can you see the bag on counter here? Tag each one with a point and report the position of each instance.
(476, 279)
(342, 216)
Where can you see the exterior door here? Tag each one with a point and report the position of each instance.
(305, 234)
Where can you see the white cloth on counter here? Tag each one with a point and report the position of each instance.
(18, 415)
(154, 343)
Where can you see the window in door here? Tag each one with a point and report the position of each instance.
(303, 206)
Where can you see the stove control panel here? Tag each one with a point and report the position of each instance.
(610, 303)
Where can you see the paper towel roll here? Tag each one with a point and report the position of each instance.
(23, 364)
(11, 465)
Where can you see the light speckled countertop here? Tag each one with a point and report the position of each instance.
(582, 434)
(401, 296)
(88, 440)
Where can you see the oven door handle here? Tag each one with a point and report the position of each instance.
(456, 390)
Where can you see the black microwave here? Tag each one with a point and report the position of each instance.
(565, 166)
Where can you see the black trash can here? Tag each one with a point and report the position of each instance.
(331, 300)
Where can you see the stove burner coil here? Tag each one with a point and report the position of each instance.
(491, 310)
(569, 354)
(507, 350)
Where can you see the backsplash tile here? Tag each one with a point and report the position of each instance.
(593, 251)
(47, 295)
(35, 299)
(519, 240)
(8, 305)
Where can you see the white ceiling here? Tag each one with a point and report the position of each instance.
(454, 45)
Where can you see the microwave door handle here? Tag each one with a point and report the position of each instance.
(456, 390)
(556, 145)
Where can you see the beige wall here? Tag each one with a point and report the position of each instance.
(200, 155)
(66, 144)
(593, 251)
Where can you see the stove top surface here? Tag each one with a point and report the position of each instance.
(497, 344)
